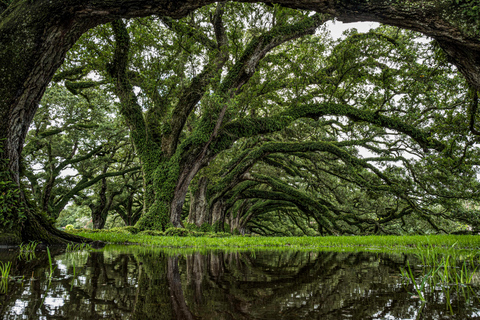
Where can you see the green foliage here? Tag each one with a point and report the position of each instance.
(206, 227)
(217, 234)
(470, 9)
(72, 247)
(313, 175)
(27, 251)
(50, 264)
(405, 244)
(84, 155)
(126, 229)
(76, 216)
(449, 271)
(152, 233)
(191, 226)
(299, 134)
(181, 232)
(11, 212)
(168, 135)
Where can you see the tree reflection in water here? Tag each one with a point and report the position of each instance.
(148, 284)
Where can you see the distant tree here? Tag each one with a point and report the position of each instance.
(75, 135)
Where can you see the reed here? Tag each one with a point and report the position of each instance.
(27, 251)
(51, 267)
(4, 276)
(71, 247)
(451, 272)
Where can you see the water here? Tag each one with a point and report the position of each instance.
(140, 283)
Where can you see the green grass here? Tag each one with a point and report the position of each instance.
(71, 247)
(381, 243)
(4, 276)
(451, 271)
(52, 268)
(27, 251)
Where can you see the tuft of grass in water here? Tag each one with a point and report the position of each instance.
(71, 247)
(450, 271)
(451, 267)
(74, 274)
(27, 251)
(4, 276)
(420, 285)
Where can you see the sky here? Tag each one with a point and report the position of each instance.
(337, 27)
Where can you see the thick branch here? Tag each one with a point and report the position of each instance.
(129, 107)
(192, 94)
(248, 127)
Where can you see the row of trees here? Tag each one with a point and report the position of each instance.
(263, 120)
(231, 94)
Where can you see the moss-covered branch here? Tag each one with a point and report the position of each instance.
(183, 28)
(254, 126)
(191, 95)
(259, 46)
(129, 107)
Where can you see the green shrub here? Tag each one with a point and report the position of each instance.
(177, 232)
(180, 232)
(191, 226)
(206, 227)
(217, 234)
(216, 227)
(127, 229)
(152, 233)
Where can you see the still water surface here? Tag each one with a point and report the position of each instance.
(139, 283)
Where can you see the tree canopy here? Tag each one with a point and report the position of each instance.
(236, 82)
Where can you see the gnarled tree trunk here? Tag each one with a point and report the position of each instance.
(198, 213)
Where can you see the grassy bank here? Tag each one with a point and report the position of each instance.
(403, 243)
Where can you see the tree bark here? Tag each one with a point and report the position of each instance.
(198, 214)
(35, 37)
(218, 215)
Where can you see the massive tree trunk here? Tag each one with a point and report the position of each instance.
(187, 174)
(198, 213)
(35, 36)
(219, 210)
